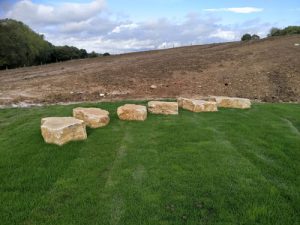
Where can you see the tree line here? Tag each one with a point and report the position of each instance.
(21, 46)
(290, 30)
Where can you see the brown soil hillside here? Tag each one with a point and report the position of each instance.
(267, 70)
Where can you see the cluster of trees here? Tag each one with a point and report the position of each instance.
(21, 46)
(248, 37)
(94, 54)
(286, 31)
(290, 30)
(63, 53)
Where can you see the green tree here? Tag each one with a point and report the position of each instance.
(83, 53)
(93, 55)
(246, 37)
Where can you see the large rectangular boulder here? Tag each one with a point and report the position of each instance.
(61, 130)
(93, 117)
(132, 112)
(165, 108)
(230, 102)
(195, 105)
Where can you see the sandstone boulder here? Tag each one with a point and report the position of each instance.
(197, 105)
(132, 112)
(180, 101)
(93, 117)
(229, 102)
(60, 130)
(166, 108)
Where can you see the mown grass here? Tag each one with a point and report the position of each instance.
(230, 167)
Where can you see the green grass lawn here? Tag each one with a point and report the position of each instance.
(230, 167)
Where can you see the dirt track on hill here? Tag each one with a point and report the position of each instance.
(266, 70)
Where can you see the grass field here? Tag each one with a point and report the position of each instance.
(230, 167)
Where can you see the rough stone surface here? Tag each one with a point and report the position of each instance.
(166, 108)
(197, 105)
(61, 130)
(93, 117)
(180, 101)
(132, 112)
(229, 102)
(210, 99)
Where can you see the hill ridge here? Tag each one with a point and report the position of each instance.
(266, 70)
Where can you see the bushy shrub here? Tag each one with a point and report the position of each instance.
(274, 31)
(63, 53)
(246, 37)
(93, 55)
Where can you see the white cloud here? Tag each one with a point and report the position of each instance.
(157, 34)
(124, 27)
(227, 35)
(29, 12)
(168, 45)
(244, 10)
(93, 27)
(104, 44)
(75, 26)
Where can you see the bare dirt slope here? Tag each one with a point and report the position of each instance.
(267, 70)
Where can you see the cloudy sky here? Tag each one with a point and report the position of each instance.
(119, 26)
